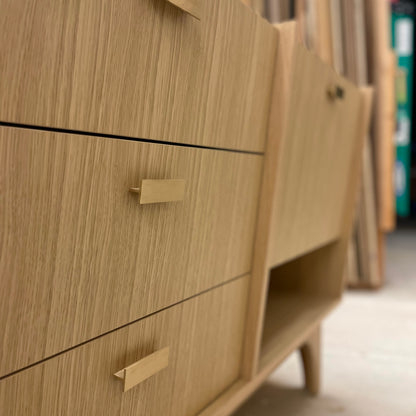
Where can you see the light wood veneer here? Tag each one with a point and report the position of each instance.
(91, 279)
(204, 336)
(315, 157)
(81, 257)
(307, 201)
(142, 69)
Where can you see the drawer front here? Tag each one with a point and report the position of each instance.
(315, 159)
(204, 341)
(81, 256)
(140, 68)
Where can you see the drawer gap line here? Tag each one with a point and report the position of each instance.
(120, 137)
(50, 357)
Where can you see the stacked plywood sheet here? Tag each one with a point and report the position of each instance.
(366, 272)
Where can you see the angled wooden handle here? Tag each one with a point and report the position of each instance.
(193, 7)
(156, 191)
(141, 370)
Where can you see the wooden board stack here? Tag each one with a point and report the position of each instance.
(364, 245)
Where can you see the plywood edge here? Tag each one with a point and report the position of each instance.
(280, 252)
(366, 235)
(387, 217)
(380, 74)
(286, 40)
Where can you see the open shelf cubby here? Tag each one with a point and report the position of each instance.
(297, 301)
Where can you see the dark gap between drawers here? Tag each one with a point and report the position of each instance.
(123, 326)
(113, 136)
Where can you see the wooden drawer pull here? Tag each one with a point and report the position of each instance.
(193, 7)
(155, 191)
(142, 370)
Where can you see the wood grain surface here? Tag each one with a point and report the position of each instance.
(296, 314)
(81, 257)
(320, 271)
(289, 316)
(145, 70)
(314, 162)
(204, 335)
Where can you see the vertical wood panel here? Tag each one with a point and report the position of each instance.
(314, 160)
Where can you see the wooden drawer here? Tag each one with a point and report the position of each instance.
(81, 256)
(316, 155)
(140, 68)
(204, 337)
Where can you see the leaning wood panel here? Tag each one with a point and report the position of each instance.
(80, 256)
(324, 47)
(314, 160)
(356, 70)
(146, 69)
(389, 202)
(289, 83)
(381, 75)
(204, 338)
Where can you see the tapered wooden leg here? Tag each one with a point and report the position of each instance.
(311, 357)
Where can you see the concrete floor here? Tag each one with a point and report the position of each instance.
(369, 352)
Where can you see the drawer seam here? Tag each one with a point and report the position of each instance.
(241, 276)
(121, 137)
